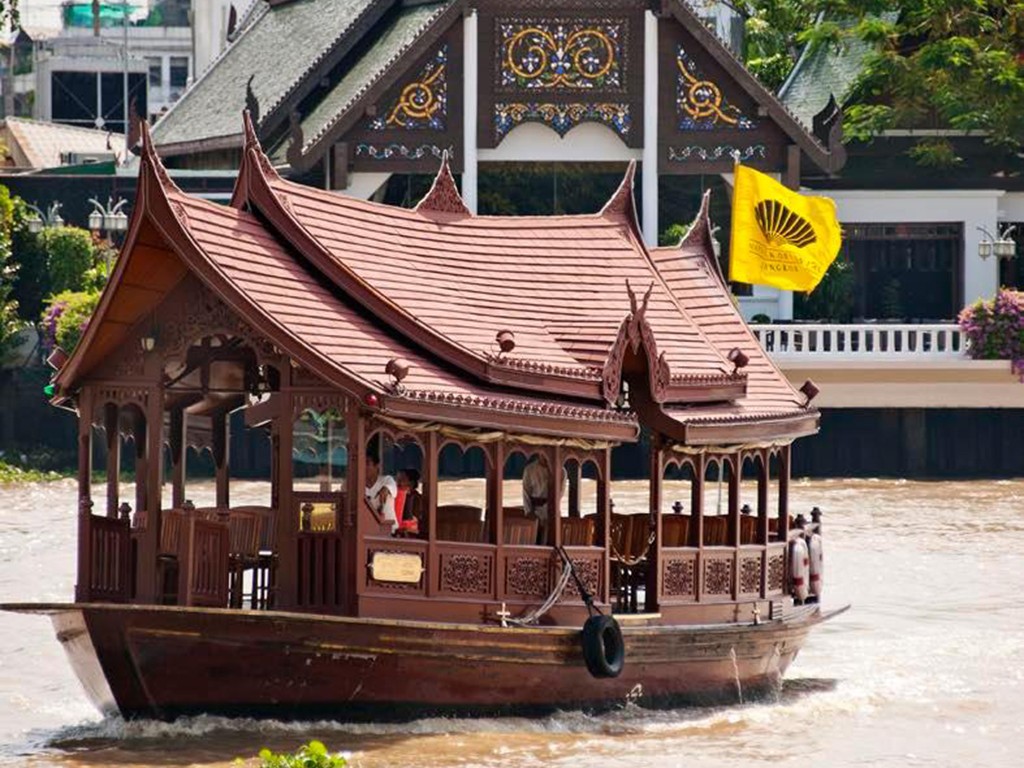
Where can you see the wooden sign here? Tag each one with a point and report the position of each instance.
(397, 567)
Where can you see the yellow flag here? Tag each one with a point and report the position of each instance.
(780, 237)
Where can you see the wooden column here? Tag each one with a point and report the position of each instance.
(430, 470)
(574, 489)
(221, 441)
(287, 517)
(784, 493)
(113, 435)
(697, 520)
(496, 501)
(653, 585)
(84, 572)
(179, 445)
(735, 528)
(149, 541)
(697, 501)
(762, 498)
(604, 511)
(555, 498)
(140, 441)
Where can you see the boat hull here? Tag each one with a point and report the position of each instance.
(164, 662)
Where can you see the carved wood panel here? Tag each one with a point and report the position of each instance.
(467, 573)
(776, 572)
(750, 575)
(679, 577)
(589, 571)
(718, 576)
(527, 576)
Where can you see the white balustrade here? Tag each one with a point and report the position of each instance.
(860, 341)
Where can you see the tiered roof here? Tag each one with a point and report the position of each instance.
(343, 286)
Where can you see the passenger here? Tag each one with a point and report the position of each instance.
(536, 480)
(380, 490)
(408, 502)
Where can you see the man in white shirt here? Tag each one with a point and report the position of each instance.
(380, 491)
(536, 479)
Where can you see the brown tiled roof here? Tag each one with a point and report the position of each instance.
(557, 282)
(695, 279)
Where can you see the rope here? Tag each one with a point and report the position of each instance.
(533, 616)
(722, 449)
(629, 562)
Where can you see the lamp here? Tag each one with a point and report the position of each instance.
(398, 369)
(738, 358)
(38, 219)
(148, 343)
(1002, 247)
(506, 341)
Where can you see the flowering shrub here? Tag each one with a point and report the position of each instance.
(995, 328)
(65, 318)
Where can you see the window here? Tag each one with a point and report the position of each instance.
(156, 71)
(179, 74)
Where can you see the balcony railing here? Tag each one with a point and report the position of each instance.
(862, 341)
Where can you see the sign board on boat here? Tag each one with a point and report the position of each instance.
(405, 568)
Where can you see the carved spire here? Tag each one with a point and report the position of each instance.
(443, 196)
(621, 203)
(252, 104)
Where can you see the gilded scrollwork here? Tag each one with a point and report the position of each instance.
(561, 118)
(700, 103)
(423, 102)
(574, 54)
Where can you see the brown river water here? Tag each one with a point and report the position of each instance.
(926, 669)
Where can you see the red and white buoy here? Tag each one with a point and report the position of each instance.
(817, 564)
(799, 568)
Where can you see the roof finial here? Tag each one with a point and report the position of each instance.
(621, 202)
(443, 196)
(252, 145)
(151, 161)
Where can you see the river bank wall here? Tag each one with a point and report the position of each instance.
(914, 443)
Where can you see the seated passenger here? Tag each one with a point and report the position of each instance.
(380, 491)
(408, 502)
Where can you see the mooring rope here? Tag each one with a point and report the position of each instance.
(533, 616)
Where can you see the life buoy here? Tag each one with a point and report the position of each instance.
(603, 648)
(817, 569)
(799, 568)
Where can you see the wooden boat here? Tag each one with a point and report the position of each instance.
(346, 329)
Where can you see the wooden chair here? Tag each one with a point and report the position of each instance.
(577, 531)
(173, 524)
(265, 572)
(716, 531)
(520, 531)
(675, 530)
(508, 512)
(245, 531)
(469, 531)
(462, 513)
(748, 529)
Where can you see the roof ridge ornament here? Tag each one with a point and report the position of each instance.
(443, 196)
(151, 160)
(621, 201)
(251, 143)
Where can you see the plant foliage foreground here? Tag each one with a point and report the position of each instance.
(312, 755)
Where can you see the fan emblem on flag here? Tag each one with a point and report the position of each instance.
(780, 225)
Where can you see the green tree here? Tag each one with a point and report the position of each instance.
(953, 64)
(69, 253)
(10, 324)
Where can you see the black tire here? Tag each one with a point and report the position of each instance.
(603, 648)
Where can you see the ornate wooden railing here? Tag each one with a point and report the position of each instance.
(110, 560)
(720, 574)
